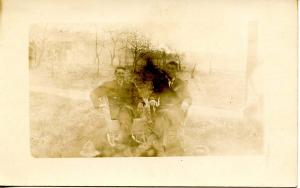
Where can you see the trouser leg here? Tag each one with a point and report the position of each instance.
(168, 129)
(161, 122)
(126, 120)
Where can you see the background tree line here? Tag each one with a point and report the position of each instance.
(63, 51)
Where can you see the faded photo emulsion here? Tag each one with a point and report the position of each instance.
(107, 90)
(148, 93)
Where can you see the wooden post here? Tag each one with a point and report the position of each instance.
(251, 56)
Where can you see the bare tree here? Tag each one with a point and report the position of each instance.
(179, 57)
(114, 39)
(120, 58)
(37, 48)
(53, 60)
(193, 70)
(99, 45)
(137, 44)
(32, 54)
(123, 47)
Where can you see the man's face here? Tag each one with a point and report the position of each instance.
(148, 76)
(120, 74)
(171, 70)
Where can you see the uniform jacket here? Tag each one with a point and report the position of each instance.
(118, 96)
(173, 92)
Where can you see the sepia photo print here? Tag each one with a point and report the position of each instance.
(149, 93)
(105, 90)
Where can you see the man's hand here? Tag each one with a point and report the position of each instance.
(185, 106)
(153, 102)
(99, 109)
(95, 109)
(140, 107)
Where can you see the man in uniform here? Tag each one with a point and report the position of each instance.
(174, 100)
(123, 99)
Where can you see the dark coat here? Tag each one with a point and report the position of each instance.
(118, 96)
(173, 93)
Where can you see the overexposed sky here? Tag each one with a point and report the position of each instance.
(216, 31)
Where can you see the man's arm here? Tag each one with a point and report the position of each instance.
(186, 95)
(183, 92)
(97, 93)
(136, 95)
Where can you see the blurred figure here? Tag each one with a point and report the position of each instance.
(174, 100)
(124, 102)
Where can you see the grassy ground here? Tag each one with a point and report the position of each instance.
(61, 126)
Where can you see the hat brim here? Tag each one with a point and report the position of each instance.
(89, 154)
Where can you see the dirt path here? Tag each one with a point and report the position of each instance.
(196, 110)
(67, 93)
